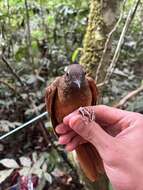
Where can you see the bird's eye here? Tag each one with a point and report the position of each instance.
(67, 74)
(84, 73)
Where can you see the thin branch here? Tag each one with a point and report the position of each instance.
(12, 88)
(29, 43)
(121, 40)
(10, 43)
(42, 16)
(129, 96)
(23, 85)
(12, 70)
(8, 85)
(23, 126)
(108, 41)
(100, 84)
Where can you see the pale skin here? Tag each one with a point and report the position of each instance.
(118, 137)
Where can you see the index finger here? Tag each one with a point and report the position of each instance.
(109, 115)
(104, 115)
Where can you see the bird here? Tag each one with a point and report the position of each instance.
(67, 93)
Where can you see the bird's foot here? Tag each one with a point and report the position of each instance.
(85, 112)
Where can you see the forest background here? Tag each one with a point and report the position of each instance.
(38, 38)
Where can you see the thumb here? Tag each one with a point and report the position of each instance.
(90, 131)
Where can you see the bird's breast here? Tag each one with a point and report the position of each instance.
(69, 100)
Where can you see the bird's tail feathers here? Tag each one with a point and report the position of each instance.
(90, 161)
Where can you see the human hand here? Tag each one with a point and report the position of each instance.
(118, 137)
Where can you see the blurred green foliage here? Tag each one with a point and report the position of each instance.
(57, 28)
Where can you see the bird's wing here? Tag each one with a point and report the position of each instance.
(93, 89)
(50, 98)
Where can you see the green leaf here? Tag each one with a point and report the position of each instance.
(38, 34)
(75, 54)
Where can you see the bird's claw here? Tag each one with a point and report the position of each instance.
(85, 112)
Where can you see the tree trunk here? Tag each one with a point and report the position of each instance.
(101, 20)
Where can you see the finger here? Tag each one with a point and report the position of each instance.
(104, 115)
(62, 129)
(68, 117)
(74, 143)
(65, 139)
(91, 132)
(109, 115)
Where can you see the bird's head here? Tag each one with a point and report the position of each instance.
(75, 75)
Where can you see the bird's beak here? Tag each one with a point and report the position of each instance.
(77, 82)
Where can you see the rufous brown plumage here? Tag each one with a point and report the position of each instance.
(66, 94)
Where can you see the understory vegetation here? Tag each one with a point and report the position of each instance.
(38, 38)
